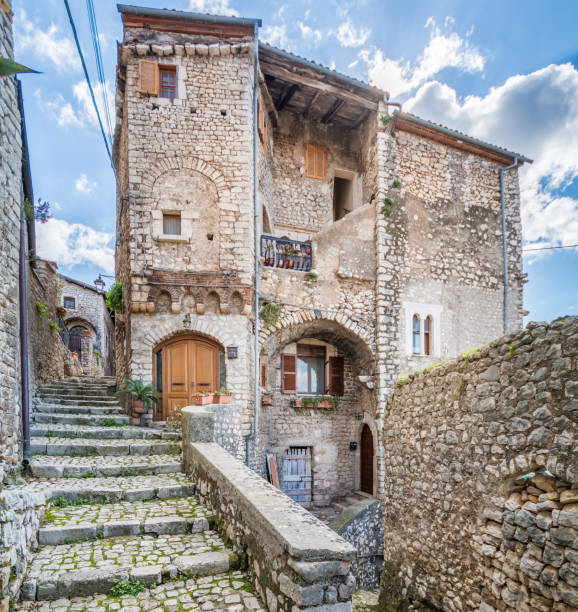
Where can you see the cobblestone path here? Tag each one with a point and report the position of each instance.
(124, 530)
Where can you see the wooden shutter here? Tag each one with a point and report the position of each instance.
(289, 373)
(336, 376)
(148, 74)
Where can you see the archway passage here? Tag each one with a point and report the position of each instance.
(182, 367)
(366, 463)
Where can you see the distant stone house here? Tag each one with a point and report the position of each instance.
(89, 324)
(379, 245)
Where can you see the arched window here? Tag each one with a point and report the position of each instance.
(416, 333)
(427, 333)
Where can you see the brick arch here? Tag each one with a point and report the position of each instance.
(335, 328)
(185, 163)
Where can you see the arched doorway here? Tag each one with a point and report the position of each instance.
(366, 463)
(183, 366)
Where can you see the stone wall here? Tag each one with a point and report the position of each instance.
(295, 560)
(20, 513)
(362, 525)
(10, 202)
(462, 531)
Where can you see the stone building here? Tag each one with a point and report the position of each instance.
(89, 325)
(379, 248)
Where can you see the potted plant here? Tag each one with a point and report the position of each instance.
(223, 397)
(142, 395)
(202, 399)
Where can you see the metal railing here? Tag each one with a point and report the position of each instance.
(285, 253)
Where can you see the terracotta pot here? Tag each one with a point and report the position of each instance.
(202, 400)
(223, 399)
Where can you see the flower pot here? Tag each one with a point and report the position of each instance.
(138, 406)
(202, 400)
(223, 399)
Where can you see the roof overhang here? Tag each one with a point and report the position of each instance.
(421, 127)
(185, 22)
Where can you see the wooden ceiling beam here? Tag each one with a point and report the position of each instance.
(332, 111)
(316, 83)
(286, 96)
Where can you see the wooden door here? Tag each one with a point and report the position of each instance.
(297, 474)
(366, 483)
(184, 366)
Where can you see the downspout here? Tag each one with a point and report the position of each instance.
(256, 399)
(505, 243)
(23, 286)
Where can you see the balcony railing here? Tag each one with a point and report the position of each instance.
(285, 253)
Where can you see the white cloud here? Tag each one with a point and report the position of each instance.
(350, 36)
(534, 114)
(215, 7)
(444, 50)
(83, 185)
(60, 50)
(70, 244)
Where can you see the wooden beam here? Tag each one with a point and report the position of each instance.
(311, 104)
(332, 111)
(286, 96)
(316, 83)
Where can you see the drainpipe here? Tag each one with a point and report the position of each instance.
(256, 399)
(505, 242)
(23, 286)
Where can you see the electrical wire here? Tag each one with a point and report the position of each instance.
(99, 65)
(70, 18)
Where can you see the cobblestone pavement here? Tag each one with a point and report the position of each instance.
(229, 592)
(185, 507)
(124, 531)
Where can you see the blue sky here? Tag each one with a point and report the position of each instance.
(506, 72)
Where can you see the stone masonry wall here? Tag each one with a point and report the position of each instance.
(463, 529)
(10, 202)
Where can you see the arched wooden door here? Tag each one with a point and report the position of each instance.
(366, 464)
(183, 366)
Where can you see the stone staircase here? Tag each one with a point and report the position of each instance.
(124, 529)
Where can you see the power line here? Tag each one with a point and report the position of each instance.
(564, 246)
(87, 78)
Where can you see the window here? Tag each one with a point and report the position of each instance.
(261, 125)
(172, 224)
(315, 161)
(427, 325)
(70, 303)
(416, 335)
(168, 82)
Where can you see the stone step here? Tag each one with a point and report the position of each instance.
(79, 409)
(78, 419)
(44, 466)
(228, 591)
(94, 566)
(162, 517)
(102, 433)
(115, 489)
(85, 400)
(112, 447)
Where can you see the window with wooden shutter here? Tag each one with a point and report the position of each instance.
(289, 373)
(315, 161)
(148, 75)
(336, 376)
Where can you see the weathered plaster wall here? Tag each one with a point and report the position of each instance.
(456, 438)
(10, 199)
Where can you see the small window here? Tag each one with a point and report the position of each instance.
(310, 369)
(427, 330)
(172, 224)
(416, 335)
(315, 161)
(168, 82)
(70, 303)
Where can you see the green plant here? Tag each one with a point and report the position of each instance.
(138, 390)
(8, 67)
(126, 587)
(269, 313)
(396, 184)
(311, 277)
(54, 327)
(386, 120)
(114, 297)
